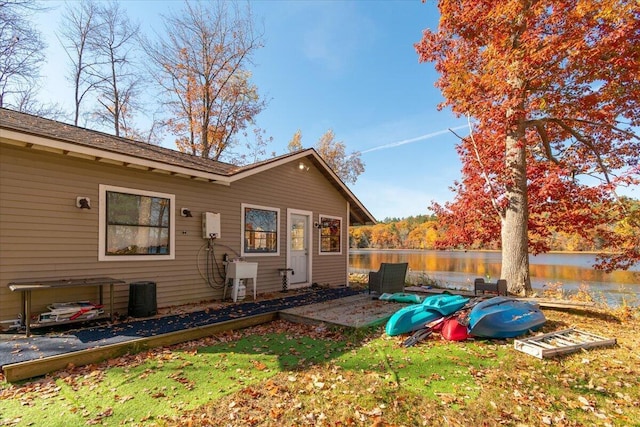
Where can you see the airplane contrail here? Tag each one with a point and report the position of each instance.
(409, 141)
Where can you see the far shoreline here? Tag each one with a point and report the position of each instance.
(478, 250)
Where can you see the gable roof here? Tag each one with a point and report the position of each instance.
(39, 133)
(359, 214)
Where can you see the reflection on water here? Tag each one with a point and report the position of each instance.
(458, 269)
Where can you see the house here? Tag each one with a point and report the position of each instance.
(76, 203)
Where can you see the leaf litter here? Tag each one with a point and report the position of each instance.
(597, 387)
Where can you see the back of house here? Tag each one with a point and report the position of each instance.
(76, 203)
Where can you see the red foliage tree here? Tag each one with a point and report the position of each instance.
(552, 91)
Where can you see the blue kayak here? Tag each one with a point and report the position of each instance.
(417, 316)
(502, 317)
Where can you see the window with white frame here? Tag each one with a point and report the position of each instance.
(136, 224)
(260, 230)
(330, 235)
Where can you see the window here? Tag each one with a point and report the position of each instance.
(135, 225)
(260, 226)
(330, 234)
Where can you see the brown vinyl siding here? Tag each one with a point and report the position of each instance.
(44, 236)
(289, 187)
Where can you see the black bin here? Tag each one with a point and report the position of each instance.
(142, 299)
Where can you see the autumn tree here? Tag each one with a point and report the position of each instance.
(552, 89)
(201, 64)
(384, 236)
(296, 142)
(347, 167)
(423, 236)
(359, 237)
(21, 54)
(623, 235)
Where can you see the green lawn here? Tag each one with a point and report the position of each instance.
(286, 374)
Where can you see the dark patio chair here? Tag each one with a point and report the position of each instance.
(500, 287)
(388, 279)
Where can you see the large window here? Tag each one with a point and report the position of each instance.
(330, 235)
(135, 224)
(260, 227)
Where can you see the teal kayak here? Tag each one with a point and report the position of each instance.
(401, 297)
(416, 316)
(445, 304)
(410, 318)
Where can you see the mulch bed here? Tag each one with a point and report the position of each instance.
(55, 341)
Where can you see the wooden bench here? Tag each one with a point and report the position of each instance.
(500, 287)
(27, 287)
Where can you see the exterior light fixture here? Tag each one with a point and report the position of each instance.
(186, 212)
(83, 202)
(302, 166)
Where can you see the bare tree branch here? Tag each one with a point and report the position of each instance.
(78, 27)
(116, 77)
(21, 52)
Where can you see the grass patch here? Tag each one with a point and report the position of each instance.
(287, 374)
(146, 388)
(427, 370)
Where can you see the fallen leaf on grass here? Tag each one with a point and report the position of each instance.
(259, 365)
(585, 402)
(98, 419)
(275, 413)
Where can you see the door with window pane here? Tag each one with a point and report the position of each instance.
(299, 248)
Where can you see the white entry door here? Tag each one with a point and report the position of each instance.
(298, 257)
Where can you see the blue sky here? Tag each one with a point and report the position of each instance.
(349, 66)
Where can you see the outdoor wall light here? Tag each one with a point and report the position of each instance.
(83, 202)
(186, 212)
(302, 166)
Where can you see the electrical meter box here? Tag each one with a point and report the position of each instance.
(210, 225)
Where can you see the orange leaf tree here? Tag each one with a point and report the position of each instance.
(551, 89)
(201, 65)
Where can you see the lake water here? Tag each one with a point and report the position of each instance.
(458, 269)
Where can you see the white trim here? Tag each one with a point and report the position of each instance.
(320, 252)
(309, 237)
(102, 218)
(278, 230)
(61, 147)
(348, 243)
(294, 160)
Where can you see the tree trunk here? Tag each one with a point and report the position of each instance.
(515, 253)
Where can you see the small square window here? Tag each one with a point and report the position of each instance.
(330, 235)
(260, 230)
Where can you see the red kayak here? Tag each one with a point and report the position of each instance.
(452, 330)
